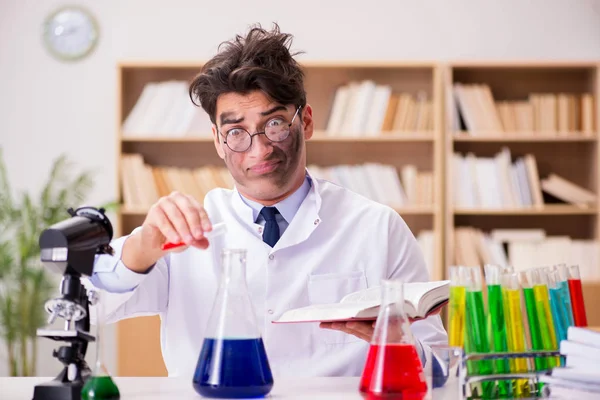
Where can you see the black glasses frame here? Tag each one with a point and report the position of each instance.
(263, 132)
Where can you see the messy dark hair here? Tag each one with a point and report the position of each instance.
(259, 61)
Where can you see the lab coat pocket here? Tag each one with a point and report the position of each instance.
(331, 288)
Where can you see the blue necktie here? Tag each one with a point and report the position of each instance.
(271, 231)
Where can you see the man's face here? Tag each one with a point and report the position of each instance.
(268, 170)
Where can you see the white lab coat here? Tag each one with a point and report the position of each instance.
(337, 243)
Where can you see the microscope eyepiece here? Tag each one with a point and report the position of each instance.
(70, 246)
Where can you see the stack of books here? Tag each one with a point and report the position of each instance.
(580, 377)
(551, 114)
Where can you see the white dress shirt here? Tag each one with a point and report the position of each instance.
(287, 208)
(337, 242)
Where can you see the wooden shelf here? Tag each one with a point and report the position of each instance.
(133, 210)
(431, 151)
(524, 137)
(167, 139)
(319, 136)
(409, 210)
(552, 209)
(353, 64)
(415, 210)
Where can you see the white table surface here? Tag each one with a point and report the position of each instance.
(173, 388)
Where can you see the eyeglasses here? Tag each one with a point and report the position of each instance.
(276, 130)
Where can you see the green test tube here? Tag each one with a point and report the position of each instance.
(477, 338)
(497, 325)
(526, 279)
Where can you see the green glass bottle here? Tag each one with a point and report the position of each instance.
(100, 386)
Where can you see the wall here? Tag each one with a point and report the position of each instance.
(48, 107)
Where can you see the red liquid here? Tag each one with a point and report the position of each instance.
(393, 371)
(169, 245)
(576, 292)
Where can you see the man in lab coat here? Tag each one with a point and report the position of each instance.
(308, 241)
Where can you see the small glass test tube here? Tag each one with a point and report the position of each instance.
(477, 335)
(544, 315)
(497, 324)
(457, 306)
(576, 292)
(563, 281)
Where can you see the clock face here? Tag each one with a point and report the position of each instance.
(70, 33)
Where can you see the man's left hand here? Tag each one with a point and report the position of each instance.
(361, 329)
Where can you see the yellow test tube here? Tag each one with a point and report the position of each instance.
(515, 332)
(457, 307)
(544, 314)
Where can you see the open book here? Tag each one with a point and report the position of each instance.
(420, 298)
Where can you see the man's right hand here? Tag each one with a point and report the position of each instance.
(174, 218)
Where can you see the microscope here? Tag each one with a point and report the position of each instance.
(69, 248)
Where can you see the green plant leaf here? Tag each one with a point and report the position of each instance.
(7, 261)
(25, 284)
(8, 318)
(6, 204)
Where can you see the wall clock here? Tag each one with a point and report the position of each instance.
(70, 33)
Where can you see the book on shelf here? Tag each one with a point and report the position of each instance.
(524, 248)
(381, 182)
(142, 184)
(164, 109)
(421, 299)
(567, 191)
(366, 108)
(552, 114)
(500, 183)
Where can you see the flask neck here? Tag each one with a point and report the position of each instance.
(392, 324)
(392, 294)
(234, 269)
(232, 315)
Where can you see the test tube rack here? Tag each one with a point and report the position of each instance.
(467, 382)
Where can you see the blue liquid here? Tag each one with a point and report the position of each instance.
(560, 319)
(233, 368)
(566, 302)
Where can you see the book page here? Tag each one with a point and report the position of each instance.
(367, 295)
(330, 312)
(423, 296)
(419, 297)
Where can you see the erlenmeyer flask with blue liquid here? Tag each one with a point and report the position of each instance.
(233, 362)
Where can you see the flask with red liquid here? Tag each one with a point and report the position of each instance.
(393, 369)
(233, 362)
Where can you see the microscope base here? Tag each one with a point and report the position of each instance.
(56, 390)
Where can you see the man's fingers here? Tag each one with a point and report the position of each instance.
(358, 334)
(364, 328)
(206, 224)
(361, 330)
(190, 214)
(201, 244)
(177, 219)
(164, 225)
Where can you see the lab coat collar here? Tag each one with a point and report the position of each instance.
(302, 225)
(288, 207)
